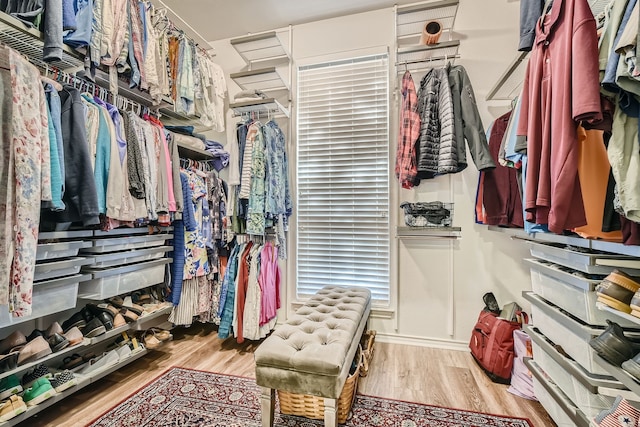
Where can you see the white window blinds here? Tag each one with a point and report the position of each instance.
(343, 176)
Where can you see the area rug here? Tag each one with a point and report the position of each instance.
(184, 397)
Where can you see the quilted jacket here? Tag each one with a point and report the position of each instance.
(436, 150)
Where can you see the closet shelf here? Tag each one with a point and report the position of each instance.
(619, 374)
(260, 47)
(510, 82)
(576, 415)
(410, 20)
(425, 54)
(30, 43)
(265, 79)
(143, 323)
(428, 232)
(69, 234)
(110, 334)
(83, 381)
(618, 314)
(188, 152)
(266, 106)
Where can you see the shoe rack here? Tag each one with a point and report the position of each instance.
(571, 380)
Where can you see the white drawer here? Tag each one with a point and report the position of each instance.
(107, 283)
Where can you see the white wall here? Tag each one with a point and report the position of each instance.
(440, 282)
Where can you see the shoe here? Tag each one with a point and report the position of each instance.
(55, 328)
(106, 319)
(9, 385)
(127, 302)
(613, 346)
(94, 328)
(74, 336)
(58, 342)
(76, 320)
(621, 413)
(40, 371)
(124, 352)
(63, 381)
(102, 308)
(635, 304)
(616, 290)
(108, 359)
(141, 297)
(118, 320)
(9, 361)
(86, 314)
(73, 361)
(128, 315)
(15, 339)
(150, 340)
(164, 335)
(632, 366)
(11, 408)
(34, 350)
(490, 303)
(35, 334)
(40, 391)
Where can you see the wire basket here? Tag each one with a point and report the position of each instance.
(428, 214)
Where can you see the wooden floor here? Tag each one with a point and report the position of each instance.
(417, 374)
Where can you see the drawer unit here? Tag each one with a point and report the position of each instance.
(115, 259)
(582, 389)
(573, 334)
(110, 282)
(554, 401)
(114, 244)
(587, 262)
(46, 251)
(575, 293)
(59, 268)
(49, 297)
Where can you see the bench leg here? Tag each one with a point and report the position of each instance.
(268, 403)
(330, 412)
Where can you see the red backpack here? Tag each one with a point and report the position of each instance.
(492, 345)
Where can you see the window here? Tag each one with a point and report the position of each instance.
(343, 176)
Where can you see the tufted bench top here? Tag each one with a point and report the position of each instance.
(318, 337)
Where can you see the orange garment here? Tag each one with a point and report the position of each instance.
(593, 172)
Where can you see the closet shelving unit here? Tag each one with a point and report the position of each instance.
(565, 309)
(66, 261)
(273, 74)
(410, 20)
(403, 232)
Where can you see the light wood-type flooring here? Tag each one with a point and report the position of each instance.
(416, 374)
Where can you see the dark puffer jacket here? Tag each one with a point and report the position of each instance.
(437, 153)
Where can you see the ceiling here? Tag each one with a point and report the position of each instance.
(222, 19)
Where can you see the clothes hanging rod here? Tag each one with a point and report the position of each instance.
(427, 60)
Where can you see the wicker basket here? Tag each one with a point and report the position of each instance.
(308, 406)
(366, 343)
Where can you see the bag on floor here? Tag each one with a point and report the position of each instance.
(521, 378)
(491, 344)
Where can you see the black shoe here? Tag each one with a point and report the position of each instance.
(106, 319)
(87, 315)
(75, 320)
(490, 303)
(9, 361)
(613, 346)
(38, 372)
(57, 342)
(94, 328)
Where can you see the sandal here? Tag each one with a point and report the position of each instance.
(126, 303)
(150, 340)
(128, 315)
(162, 334)
(72, 361)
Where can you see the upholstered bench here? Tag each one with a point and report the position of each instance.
(312, 352)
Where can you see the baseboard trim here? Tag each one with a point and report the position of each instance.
(422, 342)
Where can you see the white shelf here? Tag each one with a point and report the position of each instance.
(262, 106)
(264, 79)
(260, 47)
(428, 232)
(194, 153)
(410, 20)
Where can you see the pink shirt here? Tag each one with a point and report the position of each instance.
(561, 88)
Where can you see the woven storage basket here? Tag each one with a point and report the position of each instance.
(304, 405)
(366, 343)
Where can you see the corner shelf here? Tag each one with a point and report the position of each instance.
(260, 47)
(410, 19)
(30, 43)
(266, 106)
(265, 79)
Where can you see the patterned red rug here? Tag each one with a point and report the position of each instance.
(184, 397)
